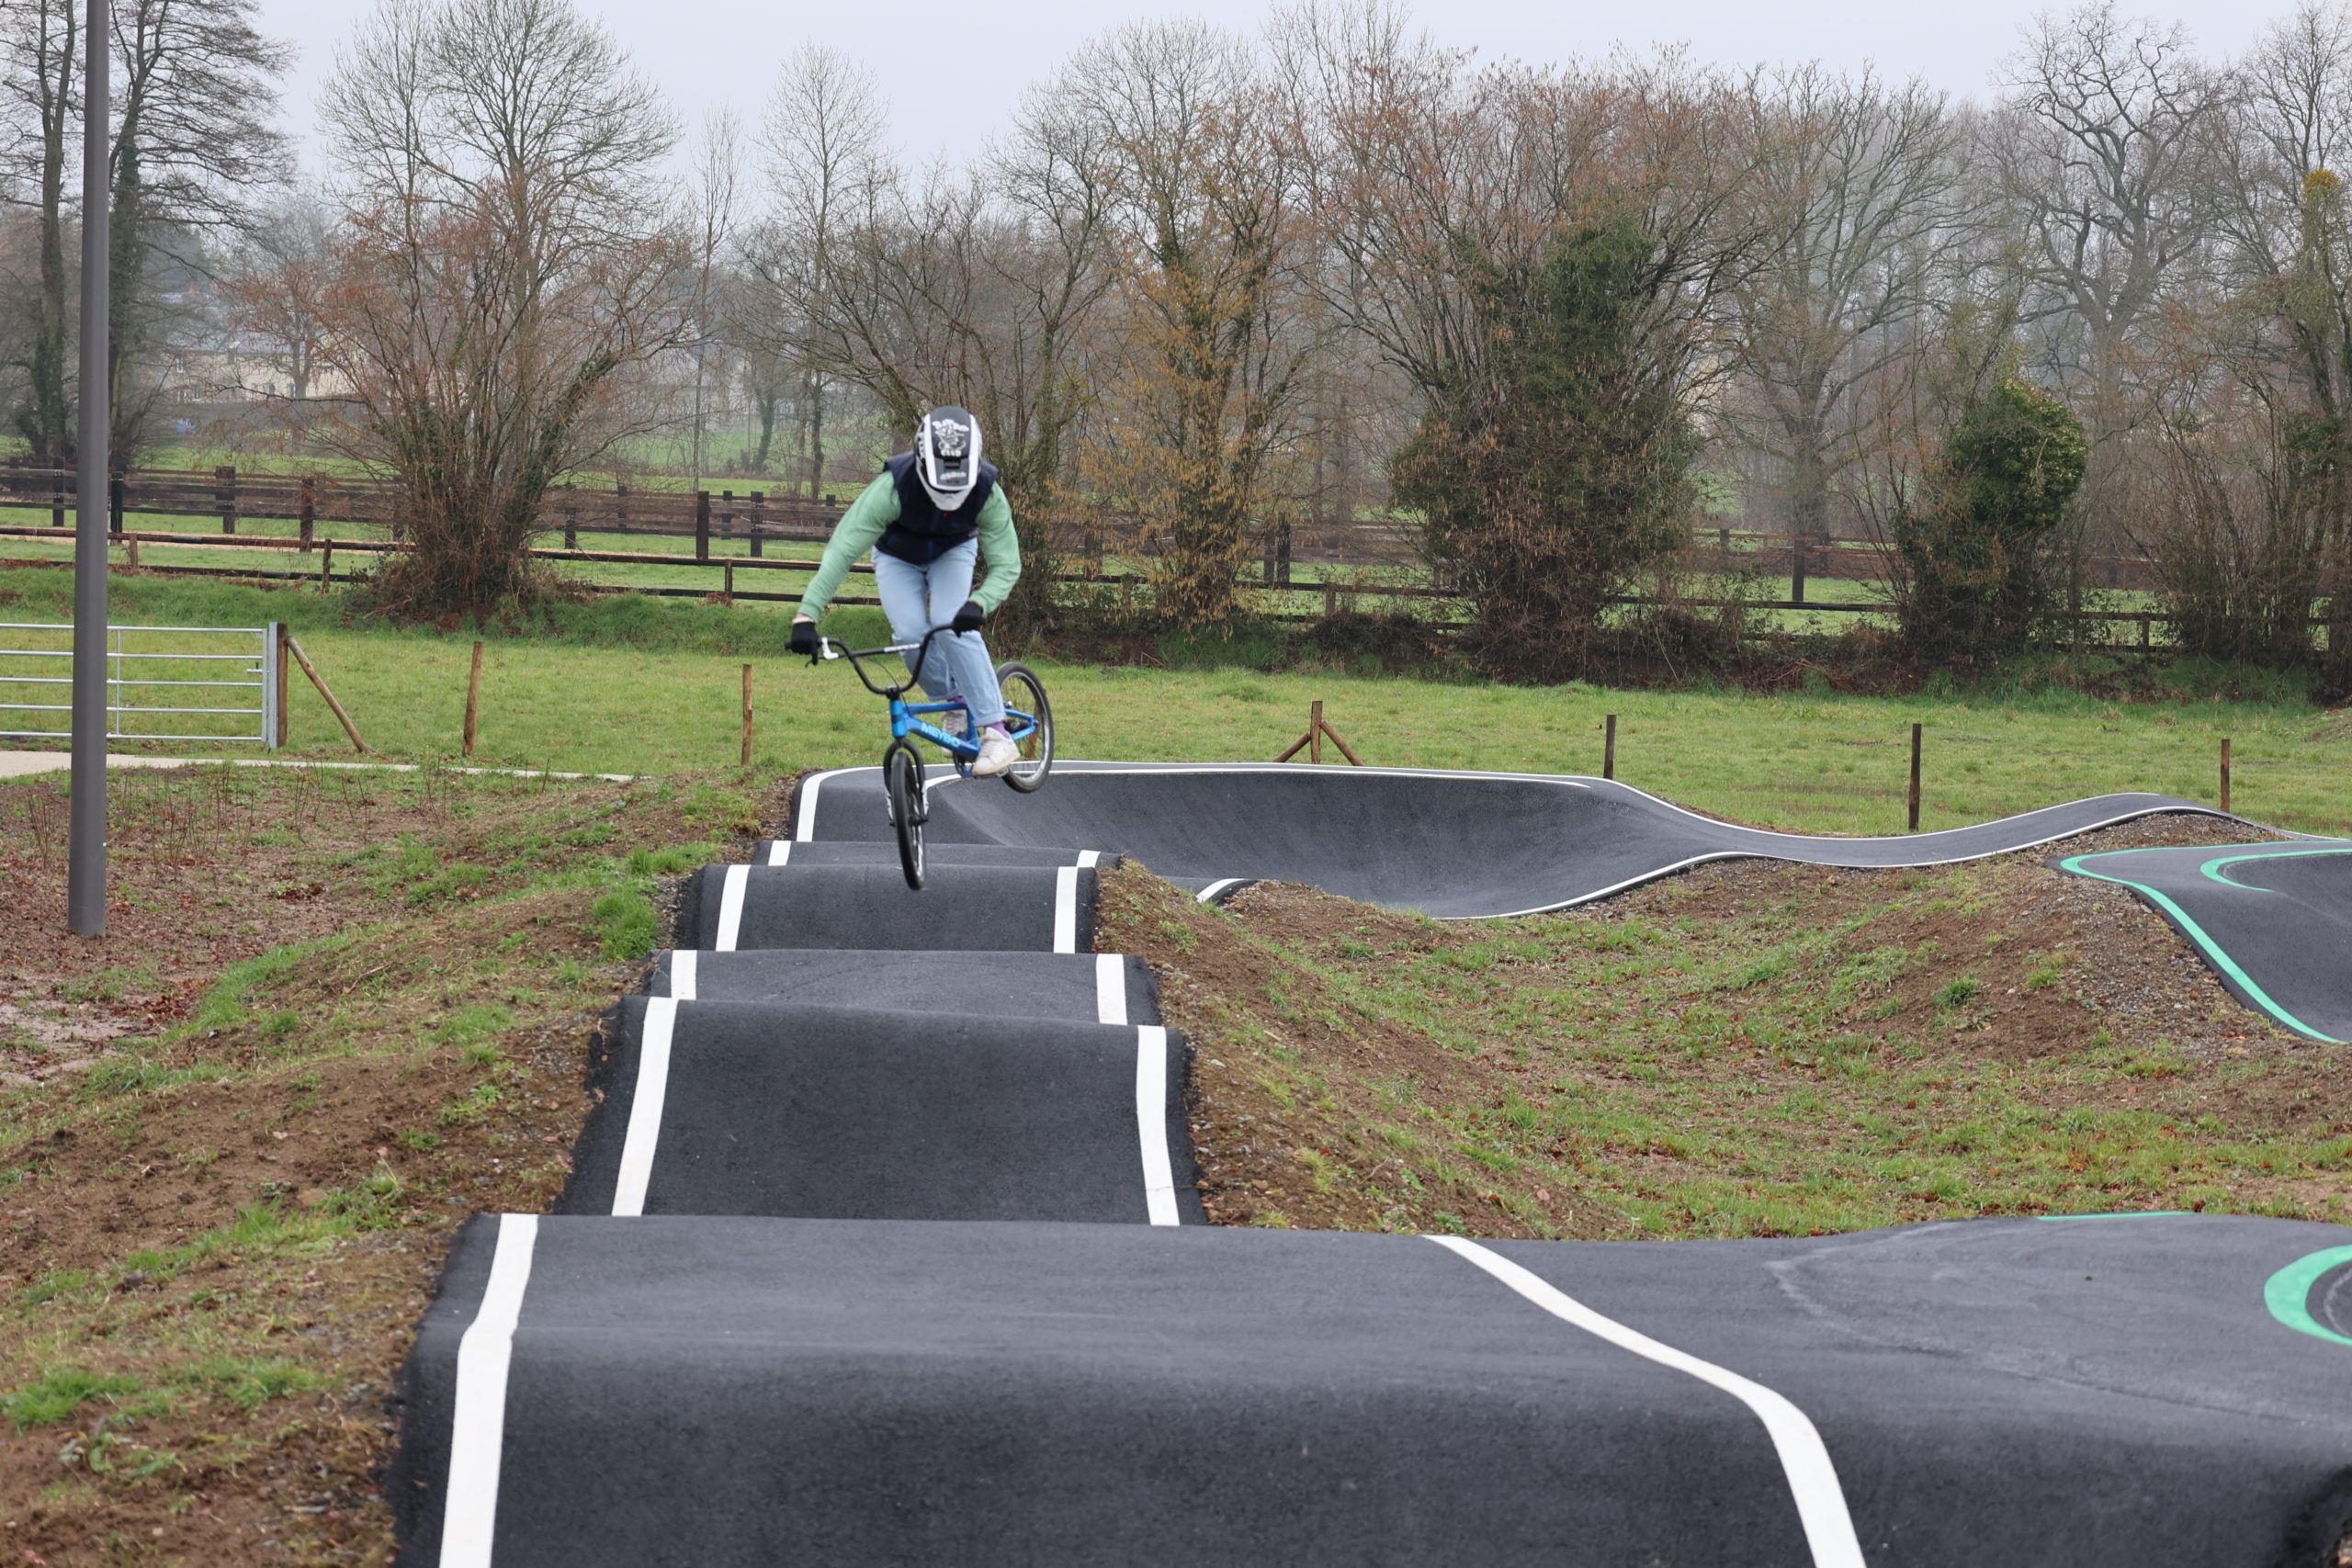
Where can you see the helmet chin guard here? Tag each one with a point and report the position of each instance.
(947, 456)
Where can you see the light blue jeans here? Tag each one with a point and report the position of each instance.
(918, 598)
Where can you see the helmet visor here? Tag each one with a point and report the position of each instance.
(949, 451)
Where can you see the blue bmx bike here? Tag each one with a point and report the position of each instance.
(1028, 721)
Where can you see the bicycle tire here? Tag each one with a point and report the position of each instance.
(902, 779)
(1022, 690)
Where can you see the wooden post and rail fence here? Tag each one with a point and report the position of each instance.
(731, 534)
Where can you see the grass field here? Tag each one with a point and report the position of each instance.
(659, 692)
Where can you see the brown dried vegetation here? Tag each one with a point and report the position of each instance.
(228, 1170)
(1748, 1049)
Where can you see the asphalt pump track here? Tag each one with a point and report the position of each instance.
(883, 1246)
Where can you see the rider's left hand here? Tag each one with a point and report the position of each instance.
(804, 636)
(971, 618)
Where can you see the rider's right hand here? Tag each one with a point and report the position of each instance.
(804, 636)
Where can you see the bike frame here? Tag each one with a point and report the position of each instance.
(906, 718)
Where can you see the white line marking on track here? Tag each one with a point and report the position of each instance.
(730, 907)
(804, 830)
(1151, 1123)
(478, 1422)
(1066, 908)
(682, 975)
(1089, 857)
(1821, 1501)
(645, 1105)
(780, 852)
(1206, 894)
(1110, 988)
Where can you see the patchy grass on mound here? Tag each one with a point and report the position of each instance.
(235, 1134)
(1748, 1050)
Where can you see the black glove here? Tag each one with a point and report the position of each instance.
(804, 638)
(970, 618)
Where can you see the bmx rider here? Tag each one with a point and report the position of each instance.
(927, 517)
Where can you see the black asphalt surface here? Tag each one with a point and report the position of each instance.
(784, 851)
(883, 1248)
(980, 985)
(1453, 845)
(2085, 1394)
(2273, 921)
(784, 1108)
(989, 908)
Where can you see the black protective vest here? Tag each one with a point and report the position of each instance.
(923, 533)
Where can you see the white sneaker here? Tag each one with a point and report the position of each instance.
(997, 753)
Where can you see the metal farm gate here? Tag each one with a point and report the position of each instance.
(163, 682)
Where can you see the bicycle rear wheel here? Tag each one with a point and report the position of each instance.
(902, 778)
(1023, 693)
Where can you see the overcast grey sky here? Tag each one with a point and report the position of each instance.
(953, 73)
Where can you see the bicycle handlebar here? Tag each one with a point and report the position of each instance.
(828, 648)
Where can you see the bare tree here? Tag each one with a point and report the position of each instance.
(717, 172)
(2257, 430)
(195, 143)
(43, 53)
(826, 170)
(1871, 215)
(968, 287)
(2101, 148)
(1549, 258)
(1209, 346)
(195, 95)
(510, 265)
(274, 285)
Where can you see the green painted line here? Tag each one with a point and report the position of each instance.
(2211, 948)
(2120, 1214)
(2288, 1294)
(2210, 868)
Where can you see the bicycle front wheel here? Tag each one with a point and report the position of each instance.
(1025, 706)
(902, 778)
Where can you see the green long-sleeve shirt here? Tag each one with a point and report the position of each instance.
(875, 510)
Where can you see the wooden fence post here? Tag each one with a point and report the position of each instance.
(333, 706)
(1796, 568)
(571, 516)
(702, 524)
(474, 699)
(727, 594)
(1609, 749)
(747, 716)
(1312, 741)
(1915, 778)
(326, 564)
(114, 504)
(57, 505)
(2225, 773)
(306, 510)
(758, 499)
(224, 490)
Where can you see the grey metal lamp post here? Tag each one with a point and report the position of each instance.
(85, 877)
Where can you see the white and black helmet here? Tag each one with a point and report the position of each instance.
(947, 456)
